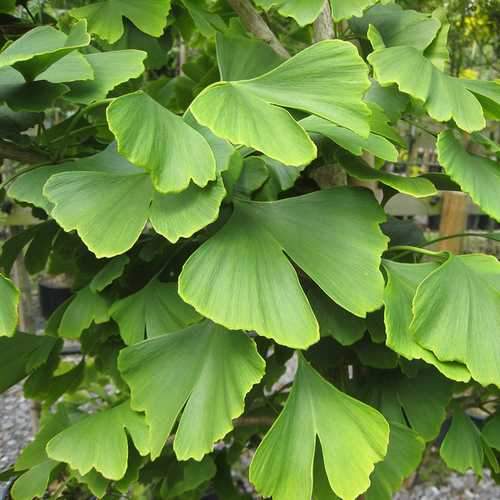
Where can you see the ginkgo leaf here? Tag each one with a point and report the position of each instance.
(155, 309)
(21, 354)
(456, 305)
(21, 95)
(99, 441)
(105, 18)
(398, 27)
(334, 320)
(404, 454)
(491, 432)
(109, 273)
(109, 69)
(353, 437)
(402, 282)
(315, 81)
(241, 278)
(242, 58)
(304, 12)
(345, 138)
(34, 461)
(72, 67)
(462, 448)
(85, 308)
(242, 118)
(419, 187)
(208, 371)
(181, 214)
(8, 306)
(477, 176)
(41, 47)
(115, 200)
(488, 94)
(444, 96)
(181, 156)
(345, 9)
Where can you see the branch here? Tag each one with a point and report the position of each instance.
(253, 421)
(254, 23)
(323, 26)
(13, 152)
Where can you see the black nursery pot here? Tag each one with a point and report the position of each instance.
(51, 297)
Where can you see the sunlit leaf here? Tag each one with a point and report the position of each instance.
(41, 47)
(99, 441)
(455, 306)
(155, 309)
(353, 438)
(109, 69)
(462, 448)
(181, 156)
(105, 18)
(477, 176)
(208, 371)
(240, 277)
(85, 308)
(246, 112)
(402, 282)
(345, 138)
(403, 457)
(8, 307)
(108, 201)
(444, 96)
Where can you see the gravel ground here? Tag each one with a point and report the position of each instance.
(16, 431)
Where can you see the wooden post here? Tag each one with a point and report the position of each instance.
(453, 220)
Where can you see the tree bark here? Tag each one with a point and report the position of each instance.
(323, 26)
(11, 151)
(254, 23)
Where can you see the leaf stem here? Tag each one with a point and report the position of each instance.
(410, 249)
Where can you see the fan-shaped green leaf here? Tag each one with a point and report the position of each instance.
(242, 118)
(240, 278)
(335, 321)
(85, 308)
(108, 211)
(242, 58)
(402, 282)
(99, 442)
(108, 201)
(455, 306)
(462, 448)
(313, 81)
(345, 9)
(403, 457)
(155, 309)
(181, 156)
(20, 355)
(8, 307)
(445, 97)
(303, 11)
(491, 432)
(208, 371)
(41, 47)
(488, 94)
(72, 67)
(353, 438)
(109, 273)
(375, 144)
(110, 69)
(106, 18)
(399, 27)
(181, 214)
(418, 187)
(478, 176)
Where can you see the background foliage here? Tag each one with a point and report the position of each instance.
(210, 178)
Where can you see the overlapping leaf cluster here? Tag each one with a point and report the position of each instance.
(209, 257)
